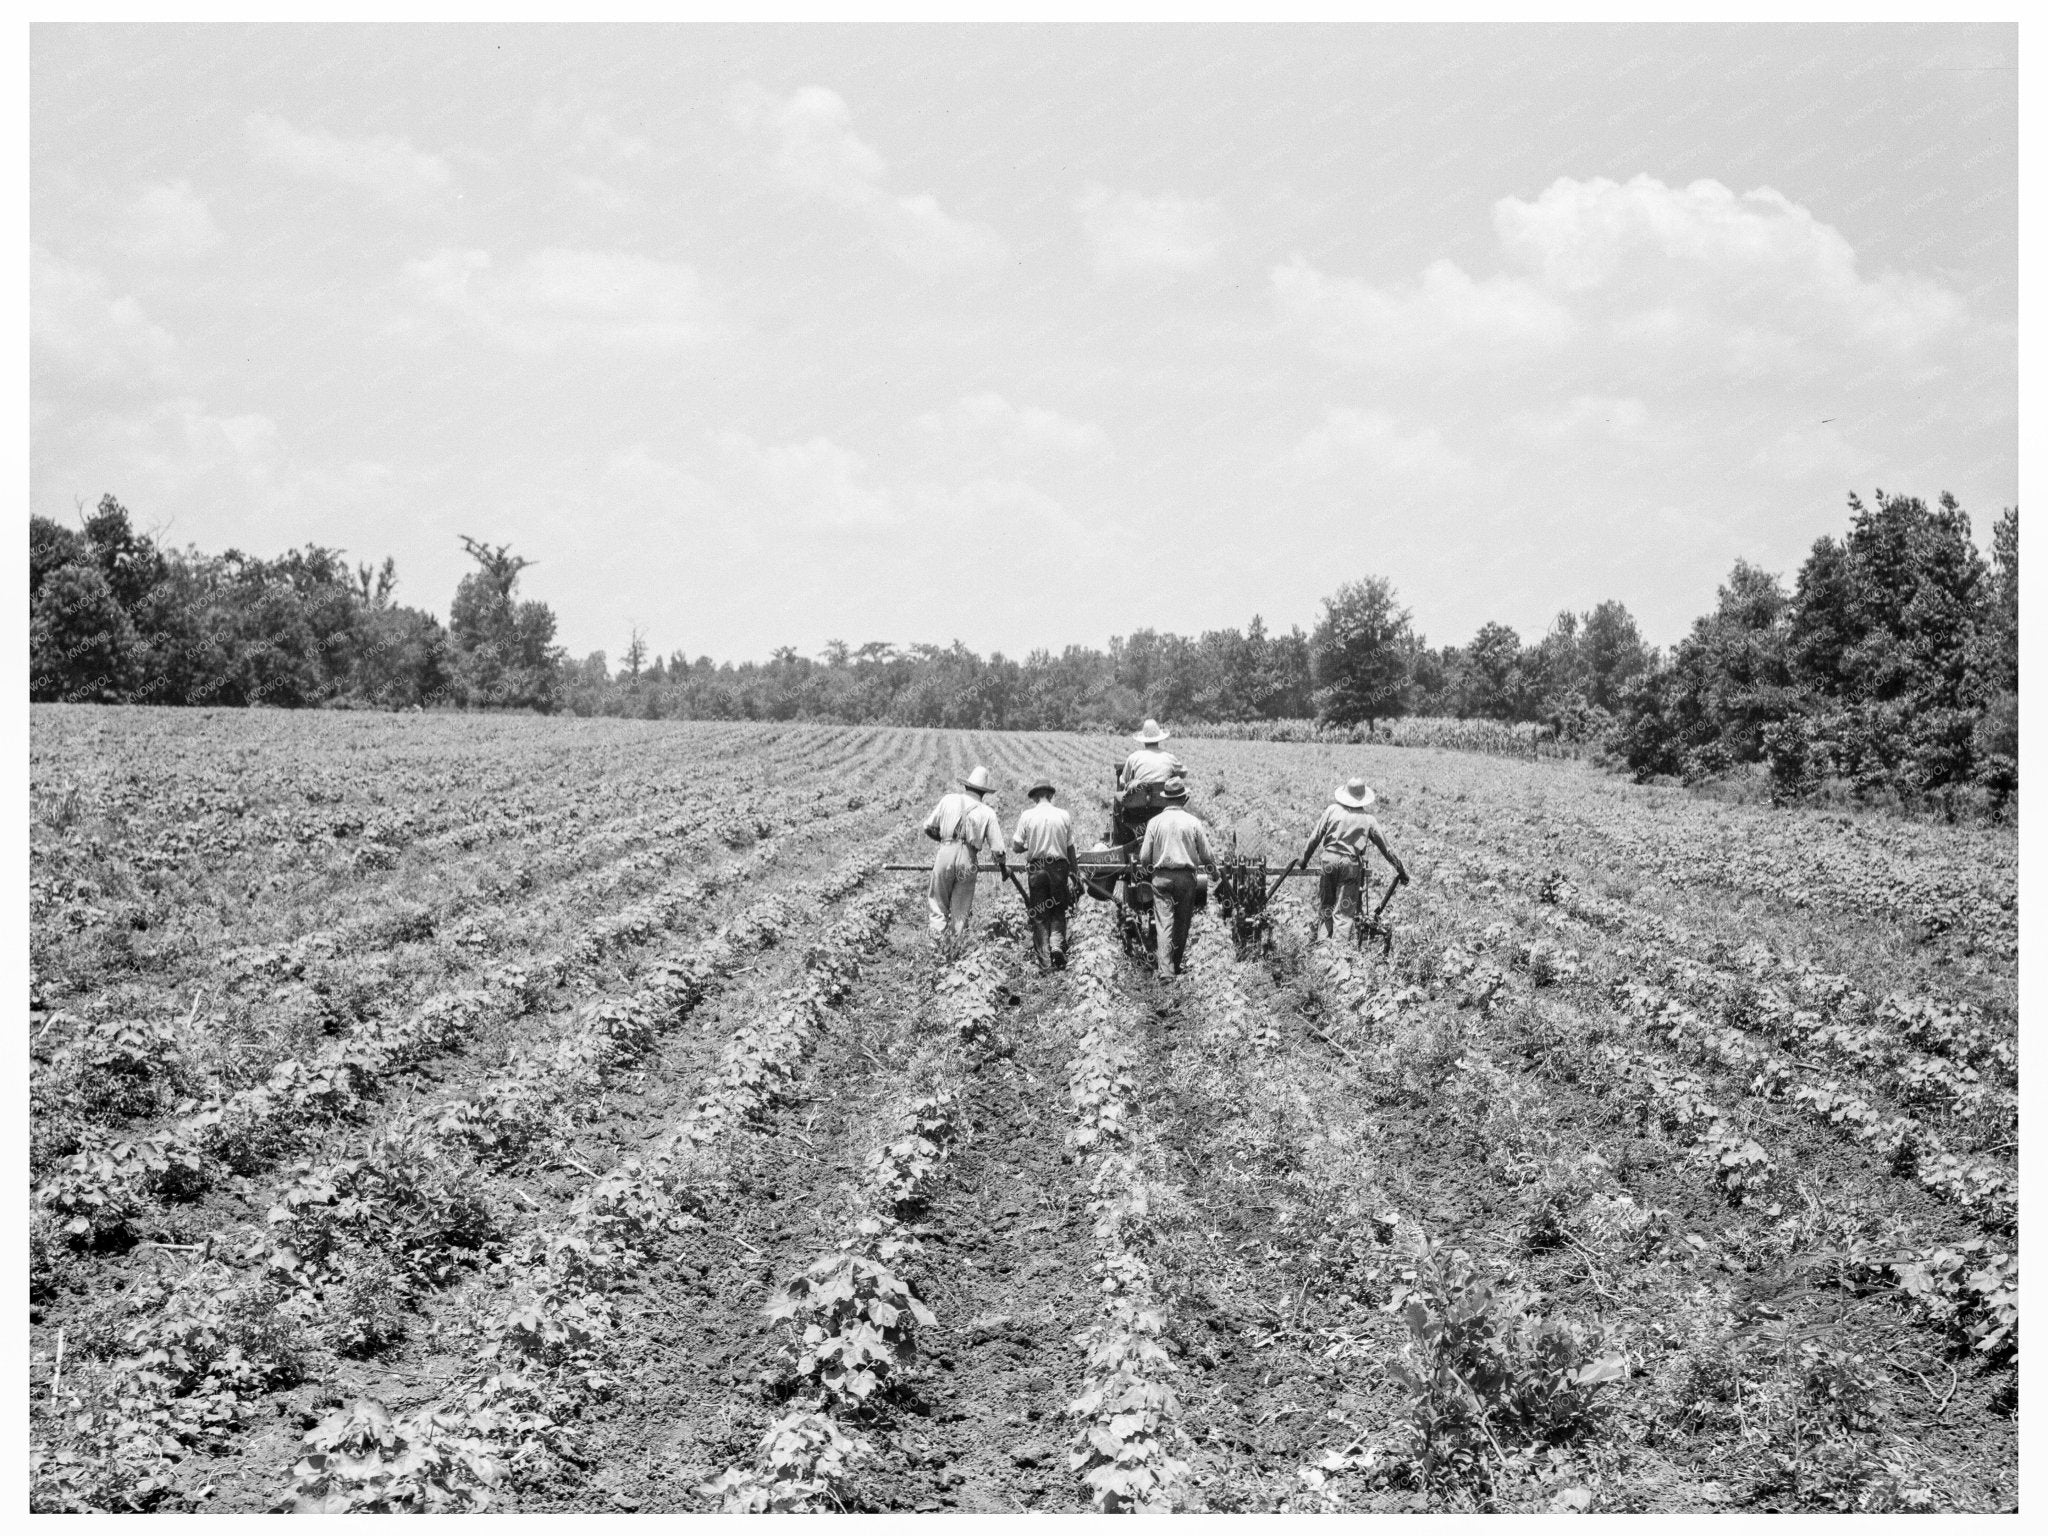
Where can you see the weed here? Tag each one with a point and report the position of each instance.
(1483, 1375)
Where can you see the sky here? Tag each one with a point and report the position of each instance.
(1024, 336)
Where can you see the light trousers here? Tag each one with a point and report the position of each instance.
(950, 899)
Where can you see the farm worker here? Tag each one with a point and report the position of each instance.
(1149, 765)
(1341, 837)
(1045, 836)
(1175, 843)
(1138, 784)
(962, 825)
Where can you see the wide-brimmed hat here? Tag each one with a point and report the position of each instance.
(1037, 785)
(1151, 735)
(977, 780)
(1175, 788)
(1355, 794)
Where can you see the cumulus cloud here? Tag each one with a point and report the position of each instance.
(1445, 319)
(167, 222)
(1635, 278)
(988, 420)
(747, 492)
(1349, 441)
(1164, 235)
(1757, 264)
(559, 298)
(109, 388)
(382, 163)
(87, 344)
(812, 486)
(816, 152)
(1582, 235)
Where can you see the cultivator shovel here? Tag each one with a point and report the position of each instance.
(1366, 930)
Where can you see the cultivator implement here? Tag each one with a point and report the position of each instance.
(1243, 889)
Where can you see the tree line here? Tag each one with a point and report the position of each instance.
(115, 618)
(1890, 668)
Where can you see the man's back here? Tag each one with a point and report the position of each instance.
(1149, 765)
(1045, 831)
(1174, 839)
(1345, 831)
(961, 818)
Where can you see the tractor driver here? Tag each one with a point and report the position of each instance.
(1342, 835)
(1149, 765)
(1139, 784)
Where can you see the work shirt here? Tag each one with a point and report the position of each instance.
(1149, 765)
(962, 818)
(1344, 832)
(1175, 840)
(1044, 831)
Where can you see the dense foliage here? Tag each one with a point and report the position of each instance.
(1891, 667)
(115, 618)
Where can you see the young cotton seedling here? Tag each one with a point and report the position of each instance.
(800, 1458)
(854, 1322)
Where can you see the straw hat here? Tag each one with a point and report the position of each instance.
(1041, 784)
(977, 780)
(1151, 735)
(1356, 795)
(1175, 789)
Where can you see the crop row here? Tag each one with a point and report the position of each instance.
(108, 1183)
(553, 1346)
(347, 1241)
(1506, 1401)
(731, 828)
(123, 1067)
(265, 973)
(1906, 1142)
(1970, 1287)
(849, 1321)
(1126, 1433)
(1849, 866)
(71, 871)
(1893, 1031)
(1842, 1023)
(1889, 1032)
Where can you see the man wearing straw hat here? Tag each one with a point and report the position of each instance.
(1176, 843)
(1139, 784)
(1341, 836)
(962, 825)
(1149, 765)
(1045, 836)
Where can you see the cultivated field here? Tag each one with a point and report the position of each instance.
(436, 1112)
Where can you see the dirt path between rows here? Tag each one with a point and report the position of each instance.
(1006, 1270)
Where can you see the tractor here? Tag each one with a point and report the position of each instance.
(1110, 871)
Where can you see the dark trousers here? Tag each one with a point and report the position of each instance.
(1174, 890)
(1339, 890)
(1048, 886)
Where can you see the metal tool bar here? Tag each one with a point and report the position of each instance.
(1086, 863)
